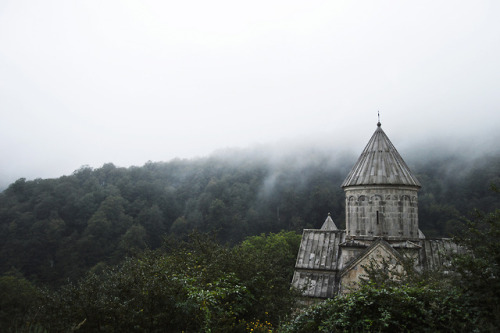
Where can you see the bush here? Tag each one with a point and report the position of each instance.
(387, 309)
(195, 286)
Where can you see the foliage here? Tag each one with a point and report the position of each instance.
(374, 308)
(83, 225)
(55, 229)
(280, 249)
(188, 286)
(478, 269)
(272, 257)
(259, 327)
(17, 297)
(386, 300)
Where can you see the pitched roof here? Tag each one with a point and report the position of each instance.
(329, 224)
(370, 253)
(380, 164)
(319, 249)
(318, 262)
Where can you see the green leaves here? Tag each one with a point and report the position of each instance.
(17, 297)
(188, 286)
(478, 269)
(387, 309)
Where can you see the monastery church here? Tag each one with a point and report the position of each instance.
(381, 211)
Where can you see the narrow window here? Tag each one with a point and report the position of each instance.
(377, 216)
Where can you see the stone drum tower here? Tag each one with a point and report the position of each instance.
(381, 226)
(381, 193)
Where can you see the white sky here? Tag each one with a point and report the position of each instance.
(89, 82)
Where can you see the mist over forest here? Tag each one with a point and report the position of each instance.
(148, 246)
(118, 215)
(55, 229)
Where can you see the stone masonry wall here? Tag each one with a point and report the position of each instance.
(382, 211)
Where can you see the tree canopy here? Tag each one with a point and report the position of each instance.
(197, 285)
(55, 229)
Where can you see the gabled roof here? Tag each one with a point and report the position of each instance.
(379, 254)
(380, 164)
(369, 254)
(329, 224)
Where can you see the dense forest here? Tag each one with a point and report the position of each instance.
(210, 243)
(52, 230)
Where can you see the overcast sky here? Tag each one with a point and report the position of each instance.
(86, 82)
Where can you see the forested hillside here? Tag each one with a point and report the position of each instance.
(55, 229)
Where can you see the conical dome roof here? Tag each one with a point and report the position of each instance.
(380, 164)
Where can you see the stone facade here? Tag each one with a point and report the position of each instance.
(381, 224)
(385, 211)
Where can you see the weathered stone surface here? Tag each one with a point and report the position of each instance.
(382, 211)
(378, 252)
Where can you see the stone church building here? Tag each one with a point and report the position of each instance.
(381, 224)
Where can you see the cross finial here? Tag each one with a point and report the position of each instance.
(378, 124)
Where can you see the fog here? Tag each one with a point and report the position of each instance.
(91, 82)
